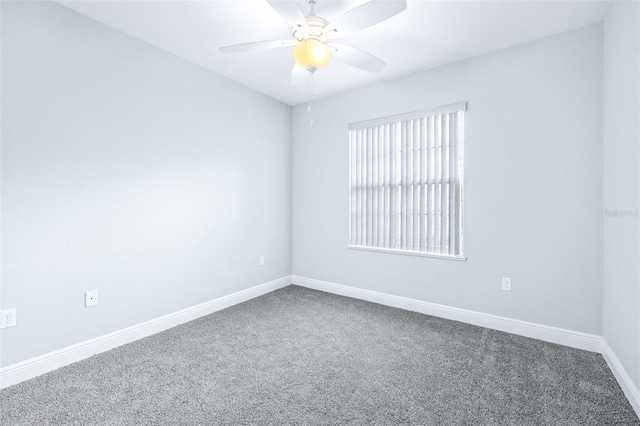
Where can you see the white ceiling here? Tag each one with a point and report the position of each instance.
(426, 35)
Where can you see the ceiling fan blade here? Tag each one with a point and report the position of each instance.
(257, 45)
(357, 58)
(288, 10)
(366, 15)
(299, 75)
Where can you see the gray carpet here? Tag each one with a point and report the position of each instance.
(298, 356)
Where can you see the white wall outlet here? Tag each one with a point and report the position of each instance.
(261, 260)
(506, 283)
(8, 318)
(90, 298)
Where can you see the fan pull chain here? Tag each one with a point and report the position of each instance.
(310, 104)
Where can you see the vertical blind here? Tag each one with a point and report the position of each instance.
(406, 186)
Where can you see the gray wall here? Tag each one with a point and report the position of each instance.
(621, 296)
(533, 184)
(128, 170)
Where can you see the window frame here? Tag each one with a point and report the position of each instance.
(460, 107)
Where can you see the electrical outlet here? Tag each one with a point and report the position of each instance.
(261, 260)
(506, 283)
(90, 298)
(8, 318)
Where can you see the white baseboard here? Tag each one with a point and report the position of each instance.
(574, 339)
(628, 387)
(16, 373)
(33, 367)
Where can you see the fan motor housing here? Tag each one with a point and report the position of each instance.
(315, 30)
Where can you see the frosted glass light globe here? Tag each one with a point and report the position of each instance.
(312, 54)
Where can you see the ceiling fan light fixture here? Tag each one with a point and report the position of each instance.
(312, 54)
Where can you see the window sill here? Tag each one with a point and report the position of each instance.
(410, 253)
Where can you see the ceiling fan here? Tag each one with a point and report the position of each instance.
(315, 38)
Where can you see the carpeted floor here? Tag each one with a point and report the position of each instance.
(298, 356)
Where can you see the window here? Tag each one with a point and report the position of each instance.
(406, 183)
